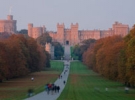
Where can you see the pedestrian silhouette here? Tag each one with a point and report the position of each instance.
(64, 82)
(58, 88)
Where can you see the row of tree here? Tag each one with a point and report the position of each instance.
(113, 57)
(20, 56)
(78, 50)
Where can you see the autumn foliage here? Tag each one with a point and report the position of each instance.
(113, 57)
(20, 56)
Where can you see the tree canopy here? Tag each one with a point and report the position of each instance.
(113, 57)
(44, 38)
(80, 49)
(19, 56)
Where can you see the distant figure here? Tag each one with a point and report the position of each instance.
(49, 88)
(55, 88)
(61, 76)
(46, 87)
(52, 89)
(58, 88)
(126, 89)
(64, 82)
(32, 79)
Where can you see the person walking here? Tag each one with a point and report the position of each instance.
(58, 88)
(55, 88)
(64, 82)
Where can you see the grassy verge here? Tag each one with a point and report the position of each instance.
(16, 89)
(84, 84)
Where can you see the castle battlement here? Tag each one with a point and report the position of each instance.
(74, 36)
(74, 25)
(35, 32)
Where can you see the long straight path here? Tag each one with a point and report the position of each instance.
(58, 82)
(67, 52)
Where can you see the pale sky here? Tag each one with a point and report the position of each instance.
(89, 14)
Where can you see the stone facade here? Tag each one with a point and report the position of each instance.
(8, 25)
(35, 32)
(74, 36)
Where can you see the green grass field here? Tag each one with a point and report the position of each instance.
(16, 89)
(84, 84)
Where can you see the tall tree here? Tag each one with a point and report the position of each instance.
(44, 38)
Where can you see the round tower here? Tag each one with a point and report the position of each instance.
(30, 26)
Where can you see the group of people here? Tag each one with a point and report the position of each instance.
(52, 88)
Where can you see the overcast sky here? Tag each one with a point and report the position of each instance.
(89, 14)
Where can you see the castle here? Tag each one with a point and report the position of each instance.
(74, 36)
(65, 36)
(8, 25)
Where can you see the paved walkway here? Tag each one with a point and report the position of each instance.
(44, 95)
(67, 52)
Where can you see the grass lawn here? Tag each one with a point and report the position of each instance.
(84, 84)
(16, 89)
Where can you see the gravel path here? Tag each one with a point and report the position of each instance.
(54, 96)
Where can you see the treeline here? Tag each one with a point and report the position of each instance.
(20, 56)
(78, 50)
(113, 57)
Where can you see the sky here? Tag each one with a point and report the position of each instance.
(89, 14)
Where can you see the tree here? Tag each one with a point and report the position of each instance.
(17, 59)
(4, 62)
(130, 55)
(58, 50)
(44, 38)
(80, 49)
(23, 31)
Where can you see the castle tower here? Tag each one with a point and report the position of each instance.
(30, 27)
(120, 29)
(60, 33)
(8, 25)
(74, 34)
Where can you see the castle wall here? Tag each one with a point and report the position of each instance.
(120, 29)
(54, 36)
(67, 37)
(35, 32)
(87, 34)
(74, 36)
